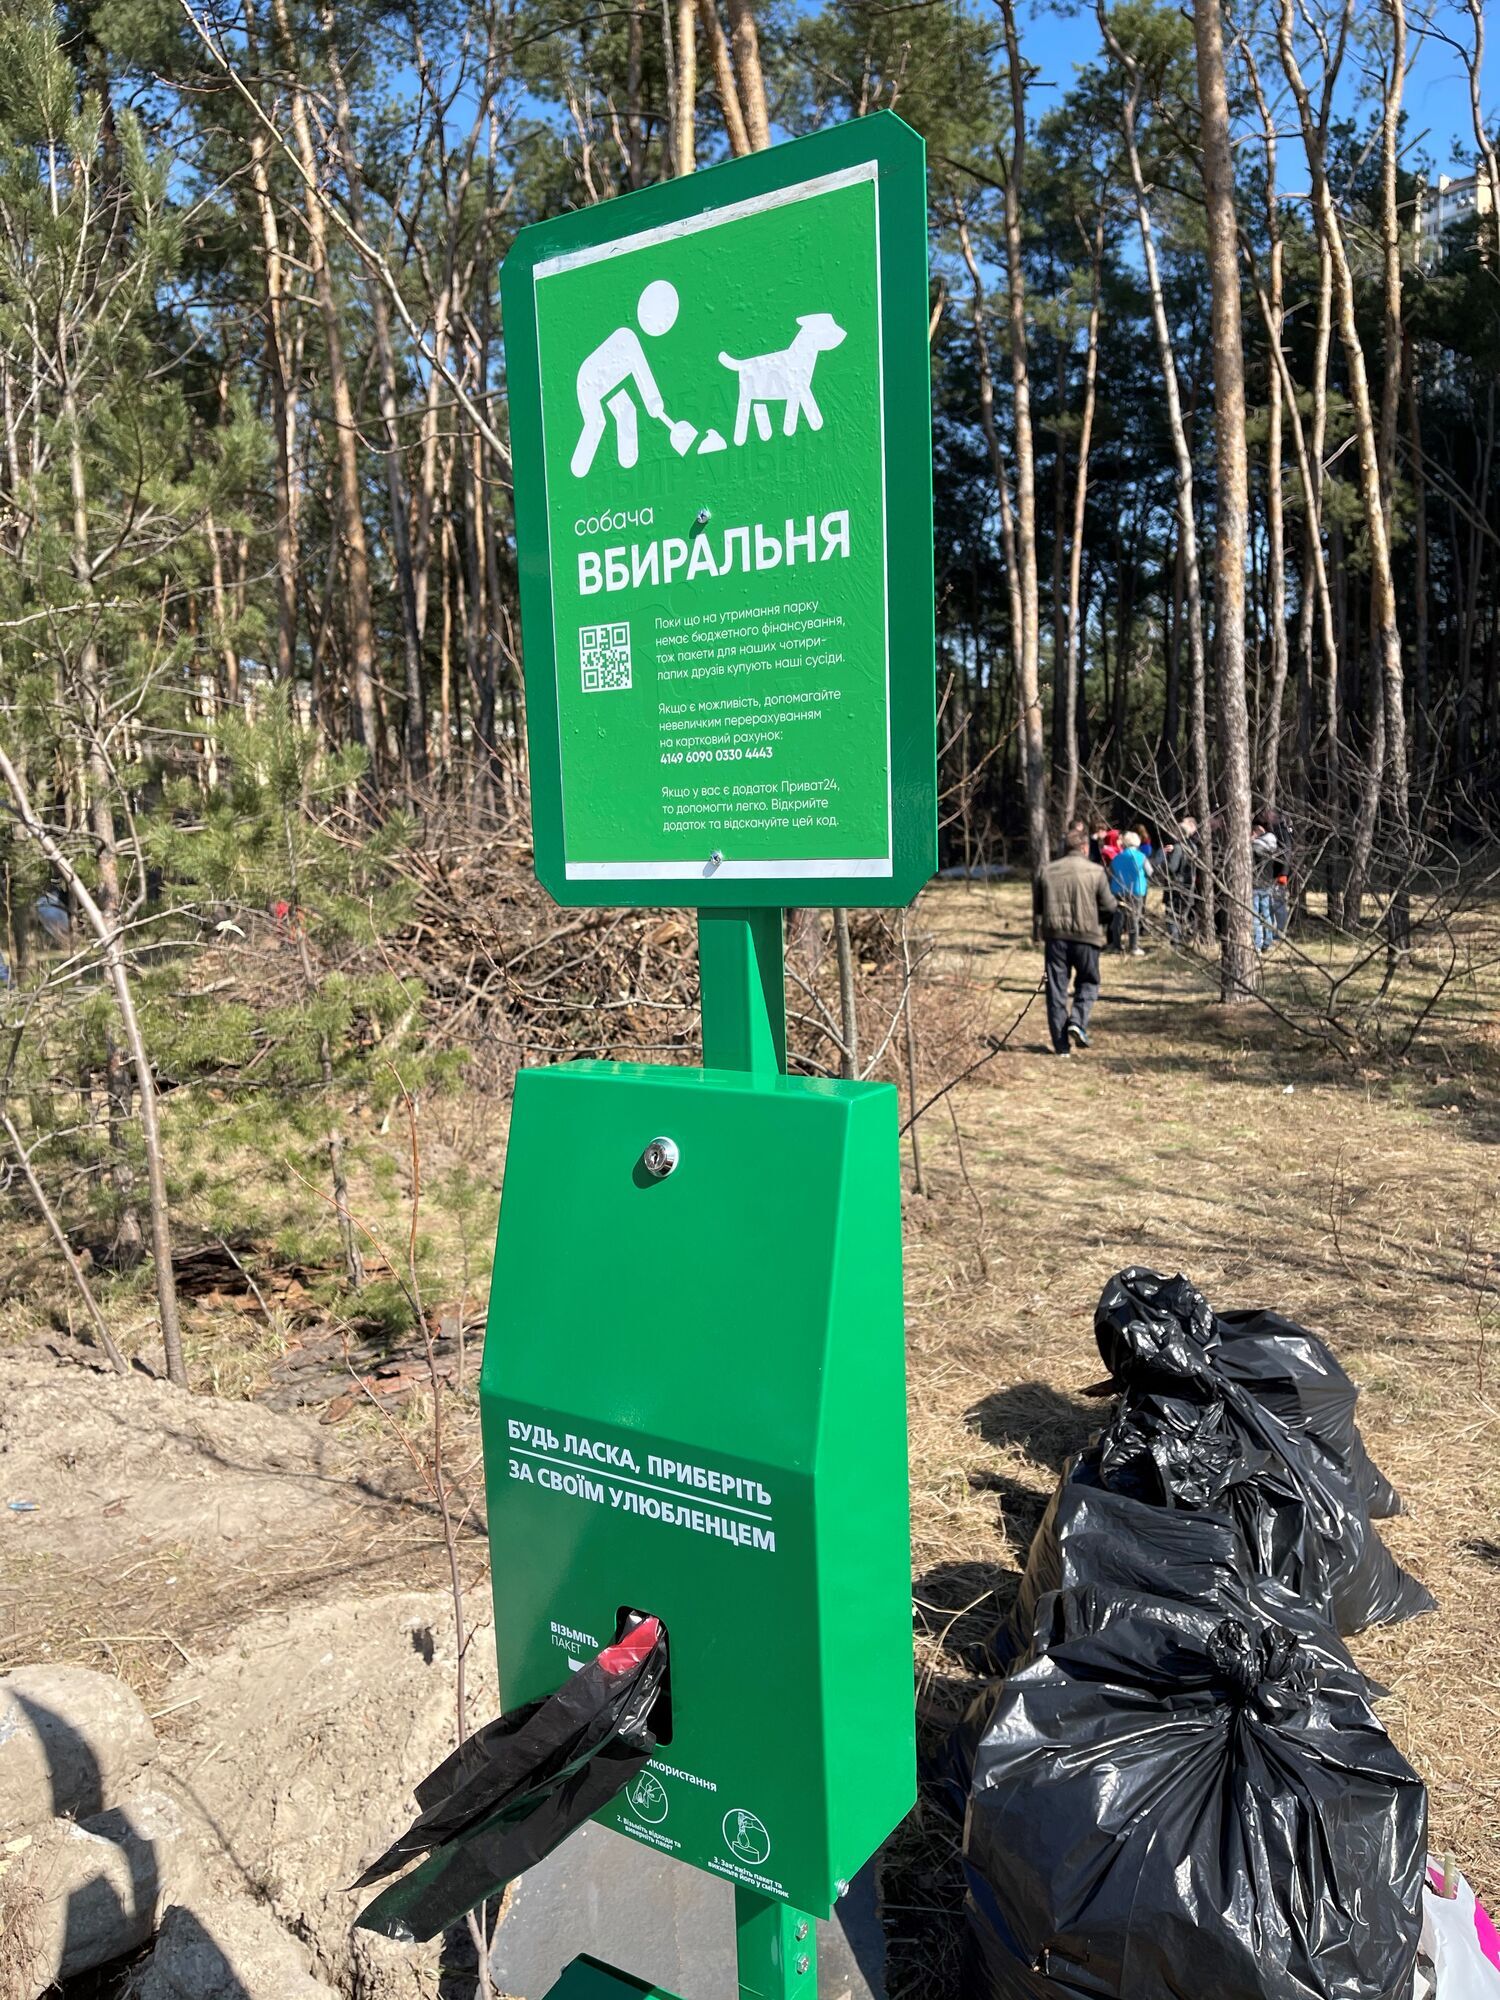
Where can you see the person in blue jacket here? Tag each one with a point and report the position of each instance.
(1130, 878)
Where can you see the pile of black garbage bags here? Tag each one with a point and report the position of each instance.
(1177, 1787)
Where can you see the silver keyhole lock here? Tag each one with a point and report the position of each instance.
(660, 1158)
(702, 518)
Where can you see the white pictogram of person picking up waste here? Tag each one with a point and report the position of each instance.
(614, 365)
(617, 371)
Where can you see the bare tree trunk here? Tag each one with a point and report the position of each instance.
(479, 624)
(919, 1185)
(415, 730)
(1366, 805)
(1168, 763)
(1125, 624)
(108, 937)
(97, 787)
(227, 653)
(1392, 344)
(1421, 692)
(748, 70)
(445, 653)
(283, 416)
(992, 443)
(1080, 502)
(1317, 605)
(427, 487)
(1470, 715)
(685, 140)
(1313, 485)
(1059, 544)
(1187, 522)
(442, 295)
(635, 49)
(1237, 965)
(361, 627)
(728, 89)
(1392, 693)
(1028, 689)
(1489, 157)
(1270, 747)
(485, 527)
(1389, 739)
(128, 1240)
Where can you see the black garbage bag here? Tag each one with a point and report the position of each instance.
(1128, 1546)
(1089, 1535)
(1160, 1340)
(1163, 1330)
(516, 1788)
(1175, 1452)
(1156, 1332)
(1120, 1540)
(1172, 1804)
(1295, 1374)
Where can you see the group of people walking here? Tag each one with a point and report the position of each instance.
(1094, 897)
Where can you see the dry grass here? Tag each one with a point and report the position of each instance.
(1194, 1139)
(21, 1901)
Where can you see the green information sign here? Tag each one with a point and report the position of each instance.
(720, 417)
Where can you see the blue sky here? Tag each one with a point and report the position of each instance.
(1437, 91)
(1059, 36)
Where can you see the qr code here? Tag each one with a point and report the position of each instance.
(604, 653)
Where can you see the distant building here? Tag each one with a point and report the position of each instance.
(1442, 205)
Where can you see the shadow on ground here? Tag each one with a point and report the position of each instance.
(1037, 1419)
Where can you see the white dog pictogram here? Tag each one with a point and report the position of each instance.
(784, 378)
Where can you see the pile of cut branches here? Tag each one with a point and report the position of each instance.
(514, 980)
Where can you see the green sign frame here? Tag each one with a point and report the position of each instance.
(850, 207)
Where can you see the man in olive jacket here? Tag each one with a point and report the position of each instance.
(1072, 901)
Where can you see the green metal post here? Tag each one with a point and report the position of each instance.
(743, 985)
(777, 1947)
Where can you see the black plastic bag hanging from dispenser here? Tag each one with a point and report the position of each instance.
(1172, 1804)
(1160, 1340)
(516, 1788)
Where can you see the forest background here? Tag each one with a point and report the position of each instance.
(1214, 357)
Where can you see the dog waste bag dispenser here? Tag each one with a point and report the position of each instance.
(693, 1386)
